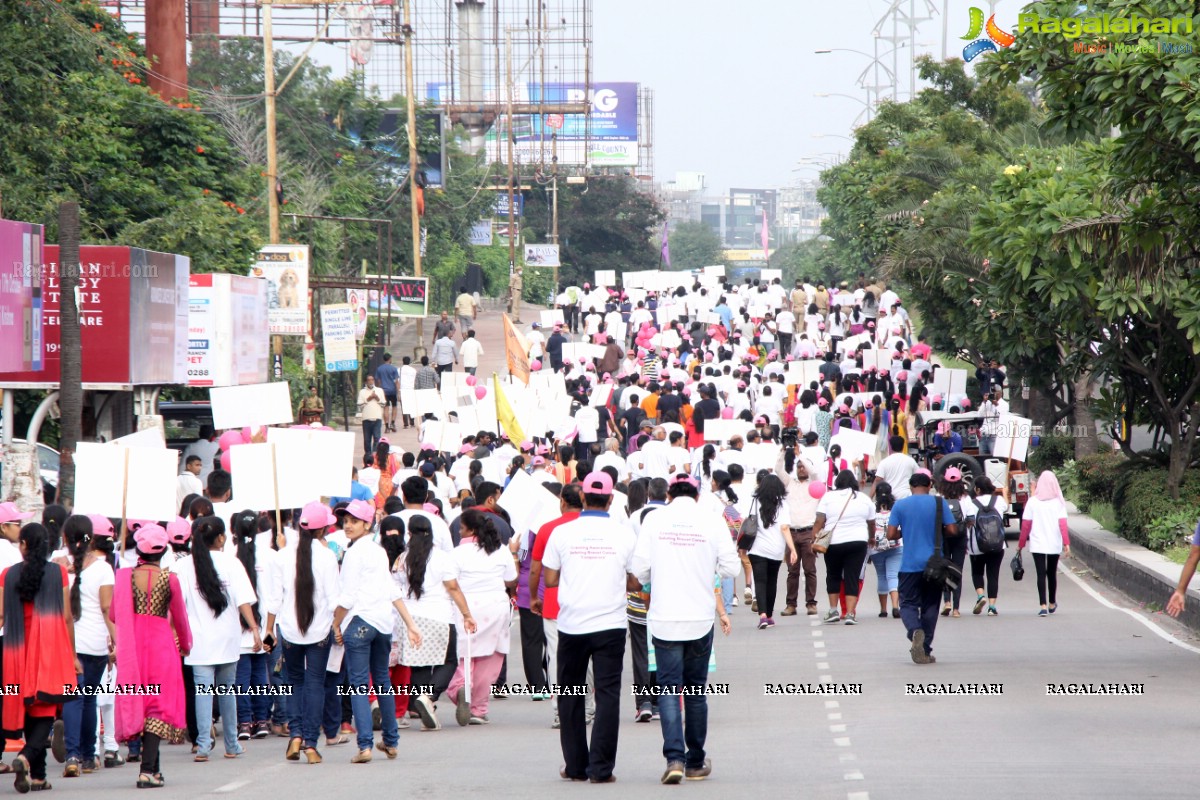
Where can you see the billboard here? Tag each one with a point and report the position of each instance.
(608, 139)
(541, 255)
(408, 297)
(228, 343)
(285, 266)
(132, 328)
(20, 296)
(338, 337)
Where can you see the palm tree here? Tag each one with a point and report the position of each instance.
(70, 399)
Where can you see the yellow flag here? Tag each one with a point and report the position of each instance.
(516, 351)
(504, 413)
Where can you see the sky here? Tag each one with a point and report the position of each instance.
(734, 80)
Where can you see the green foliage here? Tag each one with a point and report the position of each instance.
(1051, 453)
(1140, 498)
(815, 259)
(694, 245)
(1171, 529)
(1096, 475)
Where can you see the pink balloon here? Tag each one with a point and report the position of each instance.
(816, 490)
(229, 439)
(726, 413)
(226, 461)
(535, 365)
(470, 380)
(480, 392)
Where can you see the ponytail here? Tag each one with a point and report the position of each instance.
(77, 531)
(207, 530)
(306, 584)
(416, 557)
(710, 452)
(33, 567)
(244, 526)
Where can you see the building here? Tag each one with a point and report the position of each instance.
(799, 215)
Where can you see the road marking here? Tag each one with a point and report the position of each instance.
(853, 776)
(818, 645)
(230, 787)
(834, 716)
(822, 664)
(825, 679)
(858, 796)
(831, 704)
(837, 728)
(1159, 632)
(842, 741)
(818, 633)
(847, 757)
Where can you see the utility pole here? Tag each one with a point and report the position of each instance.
(272, 153)
(514, 276)
(554, 203)
(414, 159)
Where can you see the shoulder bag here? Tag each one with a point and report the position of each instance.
(749, 530)
(940, 570)
(821, 543)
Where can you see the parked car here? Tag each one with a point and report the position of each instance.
(1015, 489)
(183, 421)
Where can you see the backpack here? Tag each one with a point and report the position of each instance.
(956, 511)
(989, 527)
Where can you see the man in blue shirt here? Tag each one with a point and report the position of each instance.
(726, 314)
(358, 491)
(386, 376)
(915, 518)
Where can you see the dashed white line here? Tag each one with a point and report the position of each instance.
(833, 717)
(823, 665)
(858, 796)
(832, 704)
(837, 728)
(842, 741)
(230, 787)
(853, 776)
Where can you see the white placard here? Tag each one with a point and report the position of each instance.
(329, 455)
(769, 275)
(254, 479)
(949, 382)
(670, 339)
(149, 493)
(760, 455)
(709, 281)
(855, 444)
(254, 405)
(527, 501)
(850, 343)
(803, 373)
(551, 317)
(600, 395)
(427, 401)
(606, 277)
(717, 270)
(722, 430)
(444, 436)
(150, 437)
(1012, 438)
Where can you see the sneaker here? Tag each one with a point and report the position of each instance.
(980, 602)
(348, 728)
(361, 757)
(674, 773)
(58, 742)
(699, 773)
(654, 715)
(850, 619)
(403, 723)
(992, 612)
(90, 765)
(770, 622)
(762, 623)
(112, 758)
(244, 731)
(917, 650)
(423, 705)
(462, 709)
(479, 720)
(735, 601)
(832, 616)
(789, 611)
(748, 595)
(261, 729)
(1053, 608)
(1043, 613)
(73, 768)
(644, 713)
(883, 615)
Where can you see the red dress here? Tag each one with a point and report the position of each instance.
(38, 656)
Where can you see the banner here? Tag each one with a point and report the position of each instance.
(286, 269)
(357, 298)
(407, 296)
(228, 343)
(505, 415)
(516, 351)
(481, 234)
(338, 337)
(21, 349)
(541, 255)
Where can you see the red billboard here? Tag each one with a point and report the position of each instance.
(132, 317)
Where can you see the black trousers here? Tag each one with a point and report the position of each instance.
(766, 583)
(843, 566)
(189, 688)
(639, 655)
(1047, 577)
(606, 652)
(37, 740)
(533, 649)
(955, 549)
(988, 563)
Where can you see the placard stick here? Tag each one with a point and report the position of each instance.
(1007, 469)
(124, 500)
(275, 486)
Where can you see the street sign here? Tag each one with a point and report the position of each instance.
(338, 328)
(554, 121)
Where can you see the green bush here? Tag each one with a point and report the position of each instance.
(1140, 499)
(1051, 453)
(1171, 529)
(1096, 475)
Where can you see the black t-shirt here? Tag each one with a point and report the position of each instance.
(633, 418)
(602, 428)
(668, 407)
(707, 408)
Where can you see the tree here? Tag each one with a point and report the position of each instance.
(71, 379)
(694, 245)
(814, 259)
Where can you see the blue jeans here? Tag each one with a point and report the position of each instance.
(252, 671)
(367, 652)
(371, 431)
(887, 569)
(331, 715)
(280, 711)
(920, 602)
(727, 592)
(224, 676)
(306, 673)
(79, 714)
(683, 664)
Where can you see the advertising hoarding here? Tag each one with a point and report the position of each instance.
(228, 343)
(541, 255)
(338, 337)
(408, 297)
(21, 346)
(285, 266)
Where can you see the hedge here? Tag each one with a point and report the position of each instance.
(1096, 475)
(1146, 514)
(1051, 453)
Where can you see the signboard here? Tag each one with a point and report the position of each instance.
(22, 346)
(481, 232)
(606, 278)
(408, 297)
(251, 406)
(228, 342)
(122, 346)
(541, 255)
(141, 481)
(500, 208)
(357, 298)
(285, 266)
(554, 121)
(338, 337)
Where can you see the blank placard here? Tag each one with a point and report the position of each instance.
(251, 406)
(100, 481)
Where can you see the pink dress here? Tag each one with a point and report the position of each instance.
(147, 655)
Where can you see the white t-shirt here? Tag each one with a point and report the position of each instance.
(442, 539)
(614, 460)
(588, 421)
(1044, 535)
(480, 572)
(471, 350)
(215, 639)
(656, 456)
(895, 470)
(369, 477)
(769, 543)
(91, 634)
(852, 526)
(282, 598)
(435, 602)
(786, 321)
(592, 554)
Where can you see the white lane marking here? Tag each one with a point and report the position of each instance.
(834, 716)
(846, 757)
(230, 787)
(843, 741)
(818, 644)
(858, 796)
(853, 776)
(832, 704)
(837, 728)
(823, 665)
(1159, 632)
(825, 679)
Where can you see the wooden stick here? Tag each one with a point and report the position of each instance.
(275, 486)
(124, 501)
(1007, 469)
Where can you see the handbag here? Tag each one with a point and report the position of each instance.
(749, 530)
(1018, 567)
(821, 543)
(940, 570)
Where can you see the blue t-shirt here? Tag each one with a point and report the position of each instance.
(358, 491)
(915, 517)
(386, 376)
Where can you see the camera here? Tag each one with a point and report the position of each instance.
(789, 437)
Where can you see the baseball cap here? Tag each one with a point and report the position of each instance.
(316, 516)
(647, 424)
(10, 513)
(179, 530)
(102, 526)
(527, 445)
(361, 509)
(427, 468)
(384, 440)
(952, 475)
(597, 483)
(683, 477)
(151, 539)
(539, 461)
(136, 524)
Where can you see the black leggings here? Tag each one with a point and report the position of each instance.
(843, 566)
(989, 562)
(1047, 576)
(766, 579)
(150, 743)
(37, 739)
(955, 549)
(438, 676)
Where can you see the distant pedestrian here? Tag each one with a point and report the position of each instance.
(443, 327)
(312, 407)
(984, 563)
(470, 351)
(387, 376)
(370, 409)
(444, 355)
(467, 309)
(1044, 529)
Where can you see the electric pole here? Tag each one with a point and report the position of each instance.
(414, 158)
(272, 153)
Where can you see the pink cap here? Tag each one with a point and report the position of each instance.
(134, 524)
(466, 448)
(384, 440)
(316, 516)
(179, 530)
(10, 513)
(761, 420)
(361, 509)
(902, 375)
(923, 471)
(820, 326)
(597, 483)
(937, 398)
(151, 539)
(683, 477)
(432, 509)
(741, 384)
(822, 402)
(538, 461)
(543, 449)
(952, 475)
(966, 403)
(101, 526)
(527, 445)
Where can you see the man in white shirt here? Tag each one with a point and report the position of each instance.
(587, 422)
(589, 559)
(993, 407)
(536, 340)
(678, 551)
(206, 447)
(611, 457)
(656, 455)
(189, 479)
(896, 469)
(408, 382)
(414, 490)
(470, 351)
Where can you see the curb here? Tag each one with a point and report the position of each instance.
(1142, 574)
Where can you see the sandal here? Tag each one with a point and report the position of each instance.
(40, 786)
(955, 613)
(5, 769)
(20, 768)
(146, 781)
(200, 758)
(341, 738)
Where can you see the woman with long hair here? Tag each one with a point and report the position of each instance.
(877, 422)
(54, 517)
(217, 592)
(151, 617)
(954, 547)
(186, 504)
(301, 594)
(486, 570)
(849, 515)
(427, 578)
(564, 469)
(91, 578)
(773, 541)
(475, 474)
(885, 554)
(388, 465)
(39, 652)
(1044, 529)
(256, 555)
